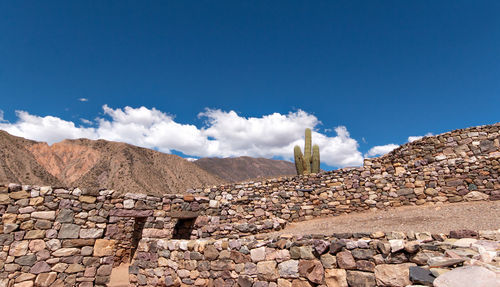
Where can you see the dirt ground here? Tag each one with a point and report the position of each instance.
(432, 218)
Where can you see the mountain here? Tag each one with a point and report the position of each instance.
(17, 163)
(245, 168)
(101, 164)
(98, 164)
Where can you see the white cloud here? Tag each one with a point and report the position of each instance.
(225, 134)
(83, 99)
(381, 150)
(85, 121)
(415, 138)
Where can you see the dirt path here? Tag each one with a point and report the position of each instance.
(432, 218)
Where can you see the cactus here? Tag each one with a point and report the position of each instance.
(309, 162)
(299, 160)
(307, 152)
(315, 159)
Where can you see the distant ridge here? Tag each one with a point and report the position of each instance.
(245, 168)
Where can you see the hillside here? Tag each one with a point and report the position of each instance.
(100, 164)
(126, 168)
(17, 163)
(245, 168)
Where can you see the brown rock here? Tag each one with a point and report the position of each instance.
(393, 274)
(312, 270)
(335, 278)
(45, 279)
(345, 260)
(104, 247)
(362, 279)
(266, 270)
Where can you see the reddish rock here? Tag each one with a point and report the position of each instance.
(312, 270)
(345, 260)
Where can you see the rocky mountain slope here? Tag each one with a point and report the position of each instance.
(17, 163)
(104, 164)
(97, 165)
(245, 168)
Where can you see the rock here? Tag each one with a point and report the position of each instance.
(284, 283)
(362, 254)
(396, 245)
(211, 253)
(104, 247)
(464, 242)
(393, 274)
(65, 216)
(91, 233)
(441, 261)
(464, 233)
(258, 254)
(63, 252)
(421, 276)
(365, 265)
(87, 199)
(35, 234)
(245, 281)
(412, 246)
(68, 230)
(26, 260)
(18, 248)
(312, 270)
(468, 276)
(476, 195)
(345, 260)
(361, 279)
(300, 283)
(266, 270)
(289, 269)
(48, 215)
(336, 278)
(306, 252)
(328, 261)
(40, 267)
(36, 245)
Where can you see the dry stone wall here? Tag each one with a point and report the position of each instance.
(461, 165)
(358, 260)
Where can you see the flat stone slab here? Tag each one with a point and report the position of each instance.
(468, 276)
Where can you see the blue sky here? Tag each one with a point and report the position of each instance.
(259, 71)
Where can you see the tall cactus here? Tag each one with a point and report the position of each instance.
(310, 161)
(315, 159)
(307, 152)
(299, 160)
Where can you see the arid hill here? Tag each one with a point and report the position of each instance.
(98, 165)
(101, 164)
(125, 168)
(17, 163)
(245, 168)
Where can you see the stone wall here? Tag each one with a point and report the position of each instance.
(378, 259)
(461, 165)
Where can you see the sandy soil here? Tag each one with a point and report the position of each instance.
(431, 218)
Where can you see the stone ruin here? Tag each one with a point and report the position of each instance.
(53, 236)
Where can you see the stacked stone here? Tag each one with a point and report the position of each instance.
(378, 259)
(49, 237)
(462, 165)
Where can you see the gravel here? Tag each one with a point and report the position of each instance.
(432, 218)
